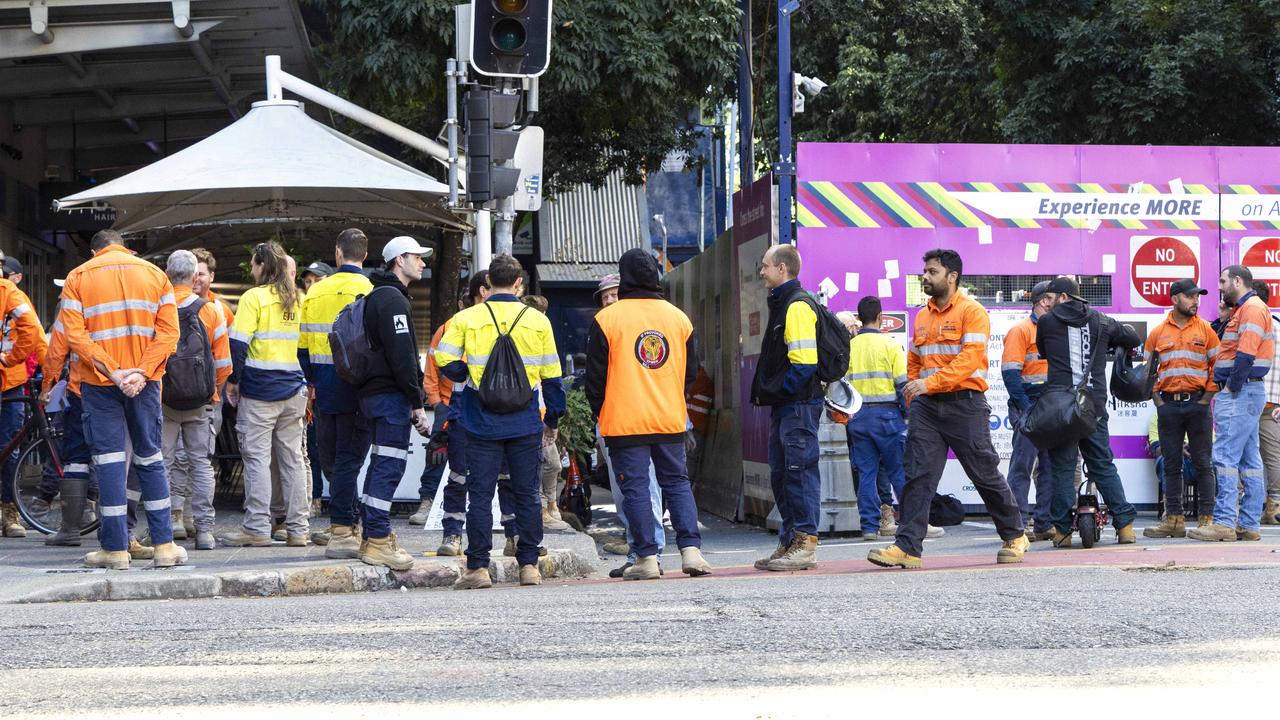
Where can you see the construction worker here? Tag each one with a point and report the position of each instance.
(194, 426)
(22, 336)
(73, 451)
(1024, 373)
(549, 470)
(342, 436)
(786, 381)
(946, 388)
(641, 360)
(493, 437)
(119, 315)
(878, 371)
(314, 273)
(1243, 362)
(698, 402)
(202, 285)
(269, 392)
(1185, 346)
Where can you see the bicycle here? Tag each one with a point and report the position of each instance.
(38, 470)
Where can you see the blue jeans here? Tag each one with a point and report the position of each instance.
(12, 415)
(1027, 458)
(632, 463)
(107, 416)
(1101, 468)
(342, 441)
(655, 499)
(1236, 456)
(388, 416)
(875, 444)
(793, 467)
(485, 459)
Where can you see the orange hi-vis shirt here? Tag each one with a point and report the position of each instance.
(1021, 353)
(1249, 332)
(438, 390)
(700, 400)
(1186, 355)
(224, 307)
(949, 348)
(119, 310)
(59, 353)
(219, 335)
(22, 335)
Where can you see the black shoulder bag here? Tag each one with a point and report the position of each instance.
(1064, 415)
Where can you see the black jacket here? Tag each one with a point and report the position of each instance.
(389, 324)
(1066, 337)
(638, 278)
(777, 381)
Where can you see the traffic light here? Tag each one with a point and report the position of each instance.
(510, 38)
(491, 141)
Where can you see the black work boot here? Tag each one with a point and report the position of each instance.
(74, 496)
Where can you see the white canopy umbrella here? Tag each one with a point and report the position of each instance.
(274, 164)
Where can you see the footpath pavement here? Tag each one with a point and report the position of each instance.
(33, 573)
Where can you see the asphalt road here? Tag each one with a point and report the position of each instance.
(1104, 638)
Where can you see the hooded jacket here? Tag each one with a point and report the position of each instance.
(641, 360)
(389, 325)
(1066, 336)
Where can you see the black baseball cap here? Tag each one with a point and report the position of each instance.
(1039, 290)
(1066, 285)
(11, 265)
(1186, 286)
(319, 269)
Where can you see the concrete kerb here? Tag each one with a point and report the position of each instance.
(181, 584)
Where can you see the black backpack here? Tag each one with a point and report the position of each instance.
(833, 342)
(189, 376)
(504, 386)
(945, 510)
(353, 354)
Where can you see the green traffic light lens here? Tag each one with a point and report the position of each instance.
(510, 6)
(508, 35)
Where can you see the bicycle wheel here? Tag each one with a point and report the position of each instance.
(1087, 525)
(33, 480)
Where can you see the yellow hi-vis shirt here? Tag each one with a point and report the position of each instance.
(800, 333)
(472, 335)
(264, 346)
(877, 366)
(324, 301)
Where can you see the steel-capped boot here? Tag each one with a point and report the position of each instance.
(343, 544)
(893, 556)
(179, 529)
(138, 551)
(474, 579)
(168, 555)
(1213, 533)
(279, 531)
(112, 560)
(1171, 526)
(1270, 508)
(12, 521)
(1013, 550)
(802, 555)
(1061, 539)
(646, 568)
(692, 563)
(530, 575)
(1248, 535)
(74, 491)
(204, 540)
(763, 563)
(451, 546)
(420, 516)
(551, 522)
(384, 551)
(1125, 535)
(1204, 521)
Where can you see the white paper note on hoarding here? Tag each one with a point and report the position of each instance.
(828, 288)
(1108, 263)
(885, 288)
(891, 269)
(1175, 186)
(1032, 252)
(851, 282)
(984, 234)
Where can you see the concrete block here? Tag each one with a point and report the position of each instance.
(371, 578)
(426, 574)
(158, 586)
(80, 591)
(257, 583)
(318, 580)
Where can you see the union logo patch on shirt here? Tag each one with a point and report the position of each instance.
(652, 349)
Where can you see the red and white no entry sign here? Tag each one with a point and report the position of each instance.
(1262, 256)
(1155, 262)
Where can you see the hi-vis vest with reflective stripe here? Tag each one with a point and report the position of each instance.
(1248, 331)
(949, 348)
(648, 358)
(700, 400)
(1021, 353)
(324, 301)
(23, 335)
(472, 335)
(271, 369)
(877, 366)
(1186, 355)
(118, 309)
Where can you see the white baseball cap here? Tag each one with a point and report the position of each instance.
(400, 245)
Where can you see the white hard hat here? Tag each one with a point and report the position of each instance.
(841, 397)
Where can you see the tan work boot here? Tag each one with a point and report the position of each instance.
(1013, 550)
(692, 563)
(117, 560)
(550, 522)
(530, 575)
(343, 544)
(189, 524)
(1204, 521)
(893, 556)
(1212, 533)
(420, 517)
(802, 555)
(763, 563)
(646, 568)
(279, 531)
(1125, 535)
(1061, 539)
(451, 546)
(179, 530)
(240, 538)
(476, 579)
(168, 554)
(617, 547)
(1248, 535)
(384, 551)
(888, 526)
(296, 540)
(138, 551)
(12, 521)
(1034, 536)
(1171, 526)
(1269, 510)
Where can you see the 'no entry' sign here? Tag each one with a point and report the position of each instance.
(1262, 256)
(1155, 262)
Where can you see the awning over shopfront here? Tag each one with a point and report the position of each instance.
(274, 164)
